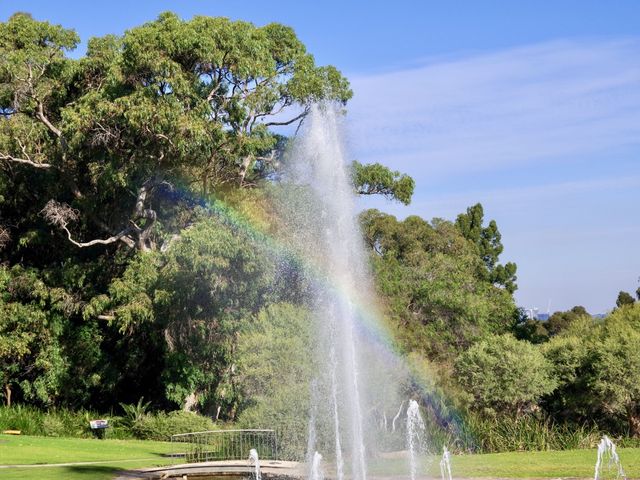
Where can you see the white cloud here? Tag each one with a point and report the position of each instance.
(549, 102)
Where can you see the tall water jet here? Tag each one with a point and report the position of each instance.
(608, 456)
(445, 464)
(325, 233)
(415, 429)
(255, 461)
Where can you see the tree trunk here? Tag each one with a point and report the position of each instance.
(244, 167)
(191, 402)
(634, 422)
(7, 394)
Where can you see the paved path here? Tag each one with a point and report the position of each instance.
(268, 469)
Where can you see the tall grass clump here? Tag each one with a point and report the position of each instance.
(524, 433)
(473, 433)
(28, 420)
(136, 422)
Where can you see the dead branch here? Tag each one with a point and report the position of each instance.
(26, 161)
(61, 214)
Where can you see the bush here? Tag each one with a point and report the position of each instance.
(52, 426)
(505, 375)
(161, 425)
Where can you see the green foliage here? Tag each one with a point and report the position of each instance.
(537, 331)
(161, 425)
(101, 159)
(134, 412)
(624, 298)
(503, 374)
(487, 241)
(32, 318)
(376, 179)
(595, 365)
(560, 321)
(526, 433)
(430, 276)
(213, 279)
(52, 422)
(571, 360)
(275, 370)
(616, 355)
(137, 423)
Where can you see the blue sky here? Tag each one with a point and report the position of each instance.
(532, 108)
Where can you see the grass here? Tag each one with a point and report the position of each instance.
(120, 454)
(548, 464)
(128, 454)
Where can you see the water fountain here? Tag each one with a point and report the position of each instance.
(445, 464)
(608, 457)
(415, 430)
(329, 239)
(255, 461)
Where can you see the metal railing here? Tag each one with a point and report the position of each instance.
(226, 445)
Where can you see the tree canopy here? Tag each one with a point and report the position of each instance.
(376, 179)
(434, 284)
(129, 178)
(110, 136)
(487, 241)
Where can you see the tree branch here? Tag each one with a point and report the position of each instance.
(43, 118)
(105, 241)
(25, 161)
(288, 122)
(61, 214)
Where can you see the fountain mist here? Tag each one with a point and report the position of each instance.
(325, 233)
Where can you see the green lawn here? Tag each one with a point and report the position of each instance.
(135, 454)
(40, 450)
(568, 463)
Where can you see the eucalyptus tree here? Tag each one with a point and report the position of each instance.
(102, 161)
(170, 103)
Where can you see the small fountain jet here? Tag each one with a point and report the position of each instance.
(255, 461)
(415, 428)
(445, 464)
(608, 455)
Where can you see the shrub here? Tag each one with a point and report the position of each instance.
(53, 426)
(504, 374)
(160, 426)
